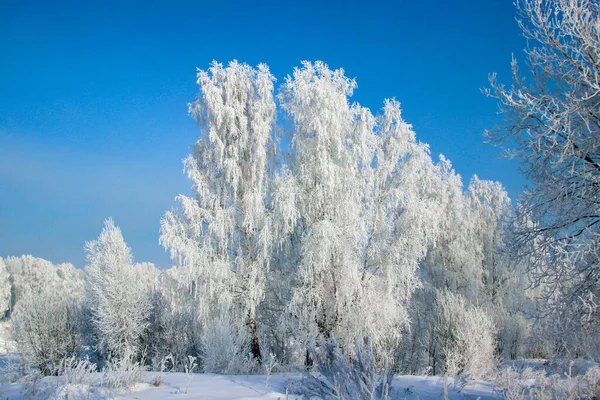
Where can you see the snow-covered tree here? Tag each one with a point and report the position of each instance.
(325, 239)
(469, 257)
(326, 191)
(504, 280)
(119, 303)
(46, 326)
(453, 263)
(71, 279)
(358, 205)
(45, 318)
(401, 215)
(28, 273)
(222, 235)
(491, 212)
(464, 337)
(552, 126)
(5, 289)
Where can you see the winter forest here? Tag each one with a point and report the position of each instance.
(323, 239)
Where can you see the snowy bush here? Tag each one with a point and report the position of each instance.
(78, 380)
(465, 335)
(10, 371)
(45, 326)
(76, 371)
(33, 387)
(122, 373)
(345, 376)
(159, 365)
(226, 350)
(537, 384)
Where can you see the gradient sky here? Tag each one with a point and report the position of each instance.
(93, 97)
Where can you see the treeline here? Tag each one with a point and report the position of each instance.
(312, 219)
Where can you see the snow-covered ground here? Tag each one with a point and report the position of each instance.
(225, 387)
(179, 386)
(176, 386)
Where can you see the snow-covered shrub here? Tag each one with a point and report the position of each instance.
(269, 362)
(75, 371)
(537, 384)
(465, 336)
(189, 366)
(345, 375)
(78, 380)
(159, 365)
(33, 386)
(122, 373)
(45, 326)
(226, 349)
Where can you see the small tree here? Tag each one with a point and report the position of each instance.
(120, 306)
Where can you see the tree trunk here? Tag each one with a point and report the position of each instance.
(254, 343)
(308, 361)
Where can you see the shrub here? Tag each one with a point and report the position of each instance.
(76, 371)
(465, 336)
(345, 376)
(226, 349)
(122, 374)
(537, 384)
(45, 327)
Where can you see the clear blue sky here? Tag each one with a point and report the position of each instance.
(93, 97)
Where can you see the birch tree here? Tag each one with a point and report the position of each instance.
(360, 188)
(222, 235)
(553, 127)
(328, 198)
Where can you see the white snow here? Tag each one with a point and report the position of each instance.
(228, 387)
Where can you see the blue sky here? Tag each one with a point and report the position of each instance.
(93, 97)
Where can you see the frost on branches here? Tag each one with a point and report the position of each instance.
(119, 309)
(554, 128)
(321, 238)
(313, 224)
(221, 238)
(361, 196)
(45, 303)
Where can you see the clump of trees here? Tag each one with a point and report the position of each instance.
(315, 222)
(344, 234)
